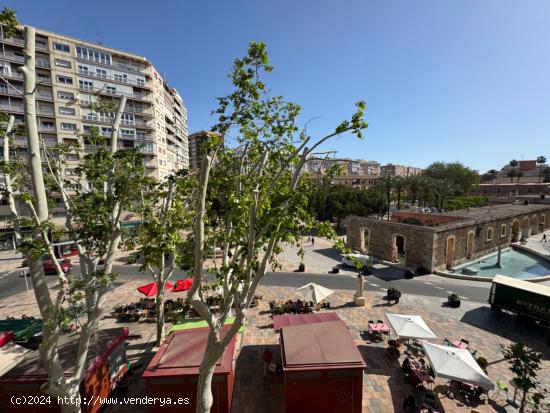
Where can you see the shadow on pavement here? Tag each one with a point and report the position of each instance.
(329, 252)
(509, 326)
(251, 390)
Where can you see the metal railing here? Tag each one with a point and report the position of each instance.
(113, 78)
(130, 68)
(112, 93)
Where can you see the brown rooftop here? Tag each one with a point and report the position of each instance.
(319, 345)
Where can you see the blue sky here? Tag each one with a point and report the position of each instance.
(464, 81)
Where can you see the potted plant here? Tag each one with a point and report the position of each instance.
(132, 259)
(409, 274)
(482, 362)
(453, 300)
(366, 270)
(301, 267)
(335, 270)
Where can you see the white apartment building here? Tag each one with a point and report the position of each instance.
(70, 73)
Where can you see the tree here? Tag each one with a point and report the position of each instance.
(513, 172)
(525, 363)
(412, 187)
(262, 197)
(541, 160)
(519, 175)
(160, 236)
(458, 178)
(385, 184)
(399, 185)
(546, 173)
(489, 176)
(107, 183)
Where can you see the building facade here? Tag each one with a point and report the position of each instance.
(71, 74)
(399, 170)
(196, 142)
(438, 241)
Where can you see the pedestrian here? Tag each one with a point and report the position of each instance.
(543, 238)
(312, 241)
(267, 360)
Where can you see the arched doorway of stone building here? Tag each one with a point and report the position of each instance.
(515, 231)
(535, 225)
(450, 252)
(470, 244)
(526, 227)
(365, 239)
(399, 249)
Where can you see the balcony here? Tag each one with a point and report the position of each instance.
(43, 128)
(112, 78)
(12, 57)
(101, 91)
(44, 96)
(12, 108)
(125, 66)
(9, 90)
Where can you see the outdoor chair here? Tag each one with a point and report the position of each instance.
(465, 342)
(501, 386)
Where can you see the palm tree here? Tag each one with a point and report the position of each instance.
(519, 175)
(399, 186)
(512, 164)
(412, 185)
(541, 160)
(386, 185)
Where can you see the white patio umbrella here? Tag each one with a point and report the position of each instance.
(457, 364)
(314, 292)
(409, 326)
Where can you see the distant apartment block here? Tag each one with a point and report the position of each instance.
(196, 146)
(71, 74)
(399, 170)
(348, 166)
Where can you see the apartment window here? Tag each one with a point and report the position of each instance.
(63, 63)
(503, 230)
(489, 234)
(62, 47)
(105, 131)
(101, 73)
(61, 94)
(68, 126)
(140, 82)
(83, 69)
(110, 89)
(84, 84)
(47, 125)
(65, 79)
(67, 111)
(93, 55)
(121, 77)
(72, 157)
(5, 68)
(127, 132)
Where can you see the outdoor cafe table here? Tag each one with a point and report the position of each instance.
(460, 344)
(379, 328)
(421, 376)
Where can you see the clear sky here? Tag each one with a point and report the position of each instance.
(450, 80)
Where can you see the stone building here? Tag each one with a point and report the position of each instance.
(438, 241)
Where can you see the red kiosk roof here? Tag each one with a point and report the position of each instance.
(182, 353)
(280, 321)
(327, 345)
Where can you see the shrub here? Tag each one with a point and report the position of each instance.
(466, 201)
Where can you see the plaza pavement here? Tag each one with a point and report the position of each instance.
(384, 387)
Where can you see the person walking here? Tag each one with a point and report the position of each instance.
(267, 356)
(543, 239)
(312, 241)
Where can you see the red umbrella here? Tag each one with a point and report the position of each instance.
(183, 285)
(151, 289)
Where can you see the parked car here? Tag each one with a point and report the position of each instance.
(49, 267)
(349, 260)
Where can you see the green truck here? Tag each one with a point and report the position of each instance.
(521, 297)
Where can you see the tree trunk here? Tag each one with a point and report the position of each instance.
(523, 402)
(7, 183)
(206, 371)
(160, 313)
